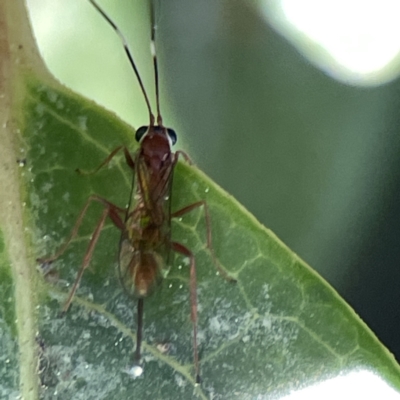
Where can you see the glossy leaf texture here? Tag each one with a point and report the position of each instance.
(280, 328)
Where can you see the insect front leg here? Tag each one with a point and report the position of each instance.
(184, 155)
(110, 210)
(128, 159)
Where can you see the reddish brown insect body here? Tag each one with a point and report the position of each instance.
(145, 241)
(145, 225)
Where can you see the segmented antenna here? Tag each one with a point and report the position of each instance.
(132, 62)
(155, 63)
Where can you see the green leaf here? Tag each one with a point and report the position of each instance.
(280, 328)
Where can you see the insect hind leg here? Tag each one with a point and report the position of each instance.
(180, 248)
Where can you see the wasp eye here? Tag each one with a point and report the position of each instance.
(172, 135)
(140, 133)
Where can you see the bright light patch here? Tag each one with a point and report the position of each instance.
(355, 385)
(361, 35)
(353, 40)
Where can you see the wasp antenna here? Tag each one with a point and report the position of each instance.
(130, 57)
(155, 63)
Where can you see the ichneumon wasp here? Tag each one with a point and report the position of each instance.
(145, 224)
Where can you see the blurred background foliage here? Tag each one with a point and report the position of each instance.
(315, 159)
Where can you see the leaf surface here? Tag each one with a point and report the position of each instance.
(280, 328)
